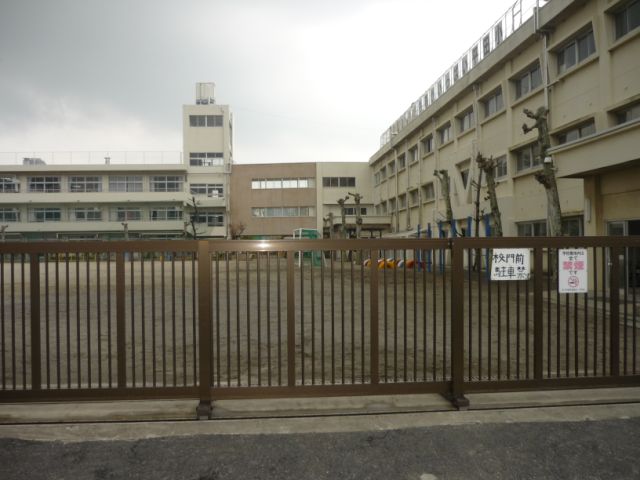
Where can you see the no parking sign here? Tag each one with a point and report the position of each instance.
(572, 265)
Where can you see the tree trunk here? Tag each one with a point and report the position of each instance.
(488, 166)
(548, 179)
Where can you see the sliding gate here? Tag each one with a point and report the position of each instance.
(246, 319)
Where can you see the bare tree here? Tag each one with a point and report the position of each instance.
(547, 176)
(488, 166)
(193, 219)
(343, 214)
(236, 229)
(356, 198)
(328, 220)
(445, 185)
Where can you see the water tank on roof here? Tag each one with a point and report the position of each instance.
(204, 93)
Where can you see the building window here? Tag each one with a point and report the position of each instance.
(536, 228)
(123, 183)
(166, 183)
(527, 157)
(501, 167)
(465, 65)
(165, 213)
(528, 81)
(9, 185)
(627, 19)
(392, 205)
(205, 120)
(414, 197)
(575, 133)
(493, 103)
(427, 144)
(352, 211)
(278, 183)
(383, 173)
(392, 167)
(85, 184)
(206, 159)
(445, 134)
(215, 190)
(402, 162)
(466, 120)
(576, 51)
(123, 214)
(338, 182)
(9, 215)
(44, 184)
(283, 211)
(45, 215)
(428, 192)
(464, 175)
(402, 201)
(212, 219)
(413, 155)
(87, 214)
(572, 226)
(628, 113)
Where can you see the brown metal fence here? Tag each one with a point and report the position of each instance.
(242, 319)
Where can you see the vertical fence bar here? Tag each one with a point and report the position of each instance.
(457, 325)
(373, 320)
(35, 322)
(291, 318)
(204, 330)
(537, 314)
(120, 323)
(614, 313)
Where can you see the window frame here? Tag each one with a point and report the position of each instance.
(570, 51)
(87, 212)
(496, 98)
(531, 73)
(623, 10)
(130, 183)
(45, 184)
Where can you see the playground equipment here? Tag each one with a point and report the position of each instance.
(310, 233)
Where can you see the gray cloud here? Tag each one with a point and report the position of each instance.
(306, 80)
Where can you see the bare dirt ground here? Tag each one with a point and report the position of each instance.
(332, 324)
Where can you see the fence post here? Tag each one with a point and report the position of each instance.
(373, 309)
(614, 312)
(34, 286)
(457, 397)
(204, 409)
(291, 321)
(121, 346)
(537, 313)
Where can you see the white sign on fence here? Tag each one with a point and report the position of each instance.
(510, 264)
(572, 265)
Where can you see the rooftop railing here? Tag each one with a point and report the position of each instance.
(91, 158)
(506, 25)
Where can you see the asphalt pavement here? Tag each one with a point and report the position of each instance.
(555, 441)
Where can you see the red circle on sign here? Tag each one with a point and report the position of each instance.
(573, 282)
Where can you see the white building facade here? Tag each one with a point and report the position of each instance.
(116, 195)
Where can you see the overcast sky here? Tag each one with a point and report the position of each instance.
(306, 81)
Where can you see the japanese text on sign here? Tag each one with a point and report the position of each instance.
(572, 268)
(510, 264)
